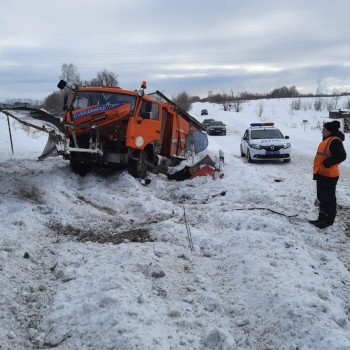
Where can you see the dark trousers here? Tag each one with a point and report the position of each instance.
(326, 187)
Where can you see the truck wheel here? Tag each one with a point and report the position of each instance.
(79, 167)
(137, 166)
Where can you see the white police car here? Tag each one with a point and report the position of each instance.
(263, 141)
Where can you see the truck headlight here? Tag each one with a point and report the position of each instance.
(139, 141)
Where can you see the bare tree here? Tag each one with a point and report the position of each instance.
(236, 101)
(104, 78)
(284, 92)
(70, 74)
(336, 97)
(331, 105)
(54, 102)
(260, 109)
(296, 105)
(183, 100)
(319, 104)
(227, 106)
(346, 104)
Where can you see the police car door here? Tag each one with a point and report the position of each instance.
(245, 140)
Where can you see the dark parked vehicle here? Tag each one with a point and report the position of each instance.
(204, 112)
(216, 128)
(206, 122)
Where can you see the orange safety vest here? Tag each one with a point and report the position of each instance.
(322, 154)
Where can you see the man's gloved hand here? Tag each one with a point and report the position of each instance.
(326, 164)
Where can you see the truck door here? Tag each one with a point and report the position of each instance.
(146, 126)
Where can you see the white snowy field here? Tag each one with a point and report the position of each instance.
(102, 262)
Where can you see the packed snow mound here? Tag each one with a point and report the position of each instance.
(103, 262)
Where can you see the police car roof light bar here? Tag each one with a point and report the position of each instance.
(262, 124)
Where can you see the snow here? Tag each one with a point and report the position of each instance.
(103, 262)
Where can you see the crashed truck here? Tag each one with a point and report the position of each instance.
(113, 127)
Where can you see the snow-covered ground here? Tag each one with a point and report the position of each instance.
(102, 262)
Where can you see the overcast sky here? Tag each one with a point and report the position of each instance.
(193, 46)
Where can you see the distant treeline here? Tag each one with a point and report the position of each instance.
(54, 101)
(282, 92)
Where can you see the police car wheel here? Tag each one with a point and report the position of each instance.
(242, 154)
(250, 160)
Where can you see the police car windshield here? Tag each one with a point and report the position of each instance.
(266, 134)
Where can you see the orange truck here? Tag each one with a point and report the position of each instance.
(113, 127)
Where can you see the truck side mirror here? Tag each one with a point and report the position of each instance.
(62, 84)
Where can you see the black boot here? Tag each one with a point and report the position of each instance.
(327, 220)
(321, 217)
(323, 224)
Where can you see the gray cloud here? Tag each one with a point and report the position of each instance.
(192, 46)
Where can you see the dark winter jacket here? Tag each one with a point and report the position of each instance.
(337, 150)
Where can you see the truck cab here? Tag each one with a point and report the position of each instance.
(114, 127)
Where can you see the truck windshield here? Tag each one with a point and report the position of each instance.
(92, 98)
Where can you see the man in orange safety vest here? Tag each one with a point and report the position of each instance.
(329, 154)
